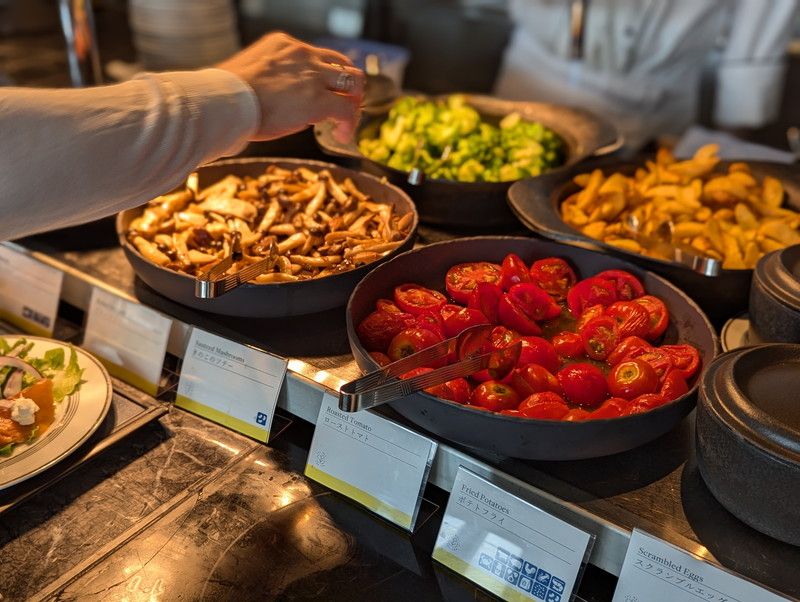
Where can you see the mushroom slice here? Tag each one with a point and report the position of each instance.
(230, 206)
(226, 187)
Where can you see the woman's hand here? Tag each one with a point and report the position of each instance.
(298, 84)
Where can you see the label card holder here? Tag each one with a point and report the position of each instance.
(376, 462)
(656, 570)
(128, 338)
(29, 292)
(230, 383)
(507, 545)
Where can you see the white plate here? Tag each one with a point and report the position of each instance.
(77, 418)
(736, 333)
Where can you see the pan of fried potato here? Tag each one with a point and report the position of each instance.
(731, 211)
(330, 226)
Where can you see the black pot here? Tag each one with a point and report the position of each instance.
(519, 437)
(273, 300)
(775, 297)
(537, 204)
(748, 436)
(479, 205)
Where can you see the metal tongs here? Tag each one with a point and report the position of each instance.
(679, 253)
(214, 282)
(469, 348)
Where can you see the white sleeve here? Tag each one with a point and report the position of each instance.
(752, 69)
(69, 156)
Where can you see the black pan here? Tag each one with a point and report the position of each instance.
(518, 437)
(537, 204)
(480, 204)
(273, 300)
(748, 436)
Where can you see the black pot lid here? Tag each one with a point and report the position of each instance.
(756, 393)
(779, 273)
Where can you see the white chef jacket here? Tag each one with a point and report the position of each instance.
(70, 156)
(643, 60)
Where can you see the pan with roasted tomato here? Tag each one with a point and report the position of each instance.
(610, 354)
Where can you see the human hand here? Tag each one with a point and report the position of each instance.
(298, 84)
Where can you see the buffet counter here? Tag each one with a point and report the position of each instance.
(184, 485)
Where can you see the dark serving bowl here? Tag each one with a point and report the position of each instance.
(519, 437)
(748, 436)
(775, 297)
(480, 204)
(537, 204)
(272, 300)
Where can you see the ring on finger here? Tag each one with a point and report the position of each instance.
(345, 82)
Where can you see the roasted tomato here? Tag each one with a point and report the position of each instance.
(513, 317)
(513, 271)
(577, 415)
(514, 413)
(380, 358)
(627, 348)
(416, 299)
(554, 276)
(533, 301)
(536, 350)
(485, 298)
(568, 344)
(685, 358)
(674, 385)
(544, 406)
(590, 313)
(456, 323)
(500, 338)
(633, 320)
(632, 378)
(599, 337)
(433, 321)
(457, 390)
(378, 329)
(534, 378)
(626, 284)
(613, 407)
(660, 360)
(583, 384)
(388, 305)
(410, 341)
(494, 395)
(416, 372)
(659, 315)
(645, 403)
(592, 291)
(461, 279)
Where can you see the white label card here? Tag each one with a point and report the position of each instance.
(372, 460)
(230, 383)
(29, 292)
(657, 571)
(130, 339)
(507, 545)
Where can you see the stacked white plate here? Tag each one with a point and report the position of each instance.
(183, 34)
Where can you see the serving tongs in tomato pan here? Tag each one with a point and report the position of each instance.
(213, 283)
(469, 349)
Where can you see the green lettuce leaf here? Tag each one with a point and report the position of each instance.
(66, 382)
(6, 449)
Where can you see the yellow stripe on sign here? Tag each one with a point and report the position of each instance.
(362, 497)
(256, 432)
(24, 324)
(486, 580)
(128, 376)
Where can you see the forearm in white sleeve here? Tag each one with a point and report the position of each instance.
(753, 66)
(70, 156)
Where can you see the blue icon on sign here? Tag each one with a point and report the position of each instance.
(515, 562)
(543, 577)
(539, 590)
(529, 569)
(557, 585)
(502, 555)
(261, 418)
(512, 576)
(553, 596)
(499, 568)
(525, 584)
(486, 562)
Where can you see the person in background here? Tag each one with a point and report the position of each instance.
(640, 62)
(73, 155)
